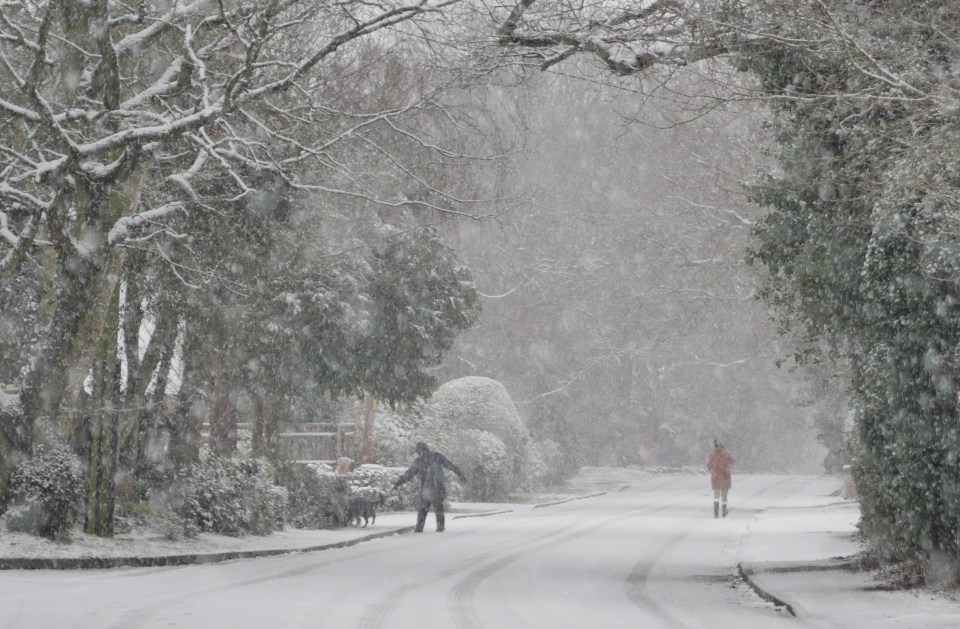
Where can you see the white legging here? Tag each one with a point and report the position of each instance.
(720, 494)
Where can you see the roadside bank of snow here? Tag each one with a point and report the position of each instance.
(803, 554)
(142, 543)
(147, 543)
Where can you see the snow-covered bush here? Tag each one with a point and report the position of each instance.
(279, 496)
(370, 480)
(393, 438)
(157, 516)
(475, 424)
(316, 498)
(476, 403)
(46, 493)
(550, 464)
(227, 496)
(367, 480)
(397, 432)
(541, 466)
(484, 459)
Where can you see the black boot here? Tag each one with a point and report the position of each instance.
(421, 520)
(440, 521)
(724, 509)
(716, 509)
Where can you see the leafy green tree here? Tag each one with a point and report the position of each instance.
(859, 248)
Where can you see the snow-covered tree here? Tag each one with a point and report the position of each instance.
(151, 154)
(117, 118)
(861, 245)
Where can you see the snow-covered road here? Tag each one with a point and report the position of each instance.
(650, 555)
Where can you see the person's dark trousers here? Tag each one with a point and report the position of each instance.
(422, 516)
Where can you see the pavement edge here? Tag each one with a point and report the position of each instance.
(95, 563)
(747, 573)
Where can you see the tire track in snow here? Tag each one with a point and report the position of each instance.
(378, 612)
(636, 582)
(460, 602)
(146, 609)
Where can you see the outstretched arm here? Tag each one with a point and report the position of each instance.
(410, 473)
(447, 463)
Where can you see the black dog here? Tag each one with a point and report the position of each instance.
(364, 506)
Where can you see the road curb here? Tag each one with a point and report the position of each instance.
(484, 514)
(560, 502)
(95, 563)
(747, 573)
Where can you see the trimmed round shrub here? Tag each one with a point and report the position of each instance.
(46, 493)
(481, 405)
(477, 403)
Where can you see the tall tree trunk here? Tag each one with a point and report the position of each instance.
(86, 283)
(45, 383)
(104, 418)
(147, 417)
(222, 416)
(185, 437)
(269, 410)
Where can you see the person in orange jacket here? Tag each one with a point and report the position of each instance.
(719, 463)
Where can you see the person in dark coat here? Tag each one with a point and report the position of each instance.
(719, 463)
(429, 467)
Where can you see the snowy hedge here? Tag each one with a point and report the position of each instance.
(542, 466)
(396, 432)
(46, 493)
(317, 497)
(229, 496)
(368, 480)
(486, 434)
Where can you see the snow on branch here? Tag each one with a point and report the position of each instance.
(199, 105)
(626, 38)
(631, 40)
(122, 227)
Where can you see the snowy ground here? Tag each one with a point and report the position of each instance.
(646, 552)
(802, 552)
(146, 543)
